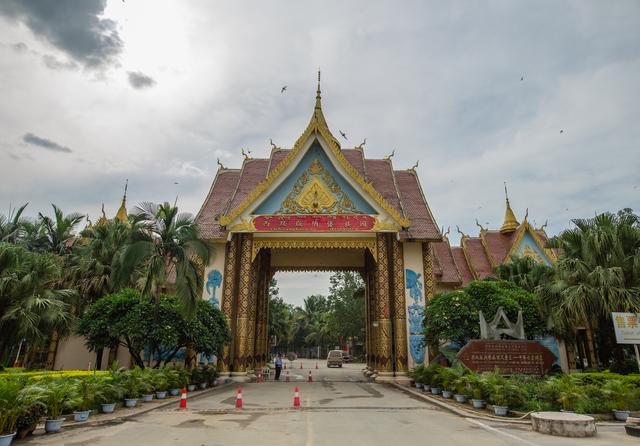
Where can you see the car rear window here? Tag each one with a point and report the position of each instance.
(335, 354)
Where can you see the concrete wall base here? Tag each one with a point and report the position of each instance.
(563, 424)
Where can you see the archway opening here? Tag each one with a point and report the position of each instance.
(312, 312)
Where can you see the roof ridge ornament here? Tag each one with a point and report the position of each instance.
(273, 146)
(414, 167)
(361, 146)
(220, 164)
(246, 154)
(389, 156)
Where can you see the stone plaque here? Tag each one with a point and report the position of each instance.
(510, 356)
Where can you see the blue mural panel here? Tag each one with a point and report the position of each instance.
(415, 314)
(529, 247)
(272, 203)
(552, 344)
(214, 281)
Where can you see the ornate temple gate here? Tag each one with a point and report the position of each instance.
(319, 207)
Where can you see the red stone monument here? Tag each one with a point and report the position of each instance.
(509, 356)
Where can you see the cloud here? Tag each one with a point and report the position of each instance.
(139, 80)
(55, 64)
(19, 47)
(34, 140)
(76, 28)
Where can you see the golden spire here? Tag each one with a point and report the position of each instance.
(318, 116)
(121, 215)
(510, 222)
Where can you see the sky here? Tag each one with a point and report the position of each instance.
(544, 95)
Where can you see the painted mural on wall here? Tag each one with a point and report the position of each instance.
(415, 315)
(214, 281)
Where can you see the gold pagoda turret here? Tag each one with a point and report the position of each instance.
(103, 218)
(510, 222)
(121, 215)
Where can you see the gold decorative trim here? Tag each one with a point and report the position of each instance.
(314, 243)
(526, 227)
(316, 126)
(243, 226)
(384, 225)
(318, 269)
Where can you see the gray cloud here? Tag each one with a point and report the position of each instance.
(34, 140)
(139, 80)
(19, 47)
(55, 64)
(75, 27)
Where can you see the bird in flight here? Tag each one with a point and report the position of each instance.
(283, 89)
(343, 135)
(522, 78)
(175, 182)
(561, 131)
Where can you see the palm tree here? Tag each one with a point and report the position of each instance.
(31, 301)
(597, 274)
(59, 229)
(10, 226)
(524, 272)
(164, 242)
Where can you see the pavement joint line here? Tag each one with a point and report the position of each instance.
(292, 409)
(501, 432)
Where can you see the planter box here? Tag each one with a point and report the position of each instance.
(174, 392)
(447, 394)
(435, 390)
(147, 398)
(130, 402)
(53, 426)
(204, 385)
(5, 440)
(460, 398)
(478, 404)
(621, 415)
(191, 387)
(501, 410)
(81, 415)
(161, 394)
(108, 408)
(418, 385)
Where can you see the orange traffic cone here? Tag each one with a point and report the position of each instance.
(316, 365)
(296, 397)
(239, 399)
(183, 399)
(259, 378)
(310, 379)
(301, 365)
(286, 377)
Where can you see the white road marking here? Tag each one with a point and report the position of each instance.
(498, 431)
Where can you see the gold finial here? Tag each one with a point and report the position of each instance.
(121, 215)
(510, 222)
(273, 146)
(445, 235)
(526, 214)
(361, 146)
(246, 154)
(220, 164)
(393, 152)
(462, 234)
(482, 228)
(414, 167)
(541, 228)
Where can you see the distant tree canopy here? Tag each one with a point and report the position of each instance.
(454, 315)
(125, 319)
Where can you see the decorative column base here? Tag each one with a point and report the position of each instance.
(385, 377)
(240, 377)
(402, 379)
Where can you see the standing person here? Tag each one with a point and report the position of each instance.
(278, 363)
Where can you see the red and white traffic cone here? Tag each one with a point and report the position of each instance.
(310, 379)
(301, 365)
(183, 399)
(239, 398)
(316, 365)
(296, 397)
(286, 377)
(259, 378)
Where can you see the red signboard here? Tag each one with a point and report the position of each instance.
(510, 357)
(314, 223)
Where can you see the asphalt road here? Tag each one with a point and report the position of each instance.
(339, 407)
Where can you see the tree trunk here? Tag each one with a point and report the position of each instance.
(99, 353)
(53, 349)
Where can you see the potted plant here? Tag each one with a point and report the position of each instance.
(132, 387)
(504, 395)
(107, 394)
(194, 379)
(28, 419)
(567, 395)
(58, 396)
(477, 391)
(620, 395)
(448, 376)
(161, 384)
(211, 375)
(8, 423)
(85, 399)
(178, 378)
(436, 381)
(147, 388)
(460, 386)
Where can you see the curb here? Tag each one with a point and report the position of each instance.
(124, 417)
(456, 410)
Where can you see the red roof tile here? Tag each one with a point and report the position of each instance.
(499, 244)
(463, 266)
(448, 270)
(356, 158)
(478, 258)
(423, 225)
(219, 195)
(253, 171)
(381, 175)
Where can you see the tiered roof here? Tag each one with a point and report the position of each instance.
(477, 257)
(397, 191)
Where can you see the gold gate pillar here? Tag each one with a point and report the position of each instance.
(262, 302)
(245, 310)
(369, 278)
(400, 346)
(383, 312)
(228, 303)
(429, 287)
